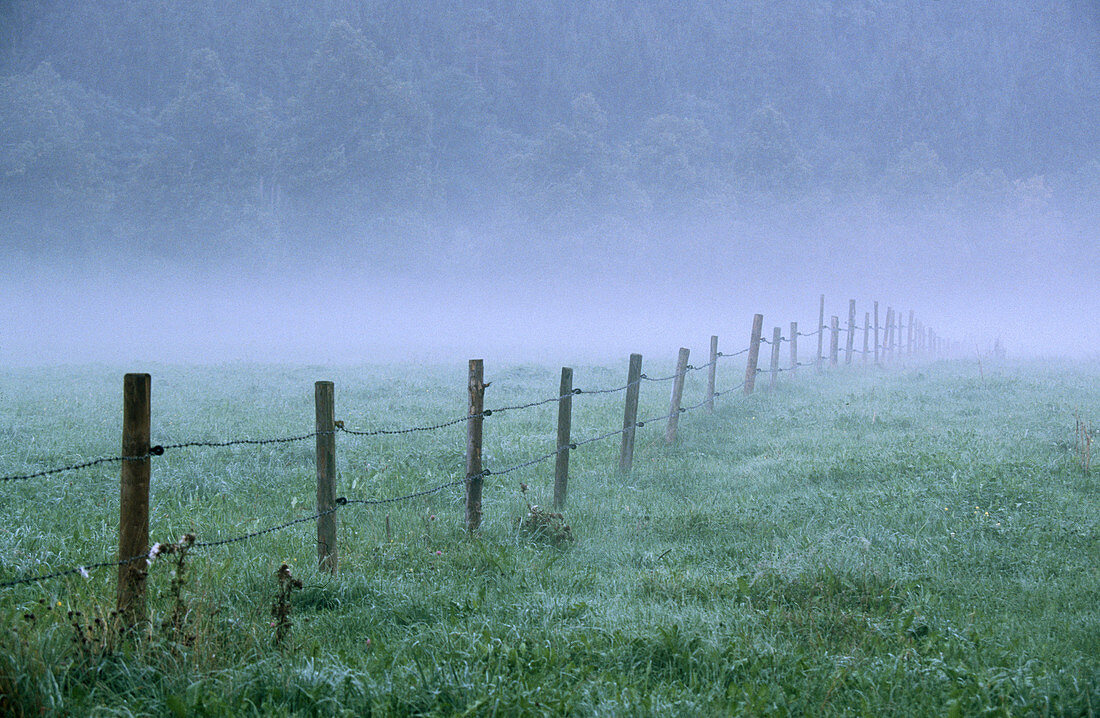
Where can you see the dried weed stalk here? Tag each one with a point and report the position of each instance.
(280, 608)
(1084, 437)
(543, 526)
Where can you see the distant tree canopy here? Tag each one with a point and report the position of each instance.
(553, 108)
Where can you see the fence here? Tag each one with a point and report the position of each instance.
(898, 339)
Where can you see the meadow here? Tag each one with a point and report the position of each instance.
(918, 540)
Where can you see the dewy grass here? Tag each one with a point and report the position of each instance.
(912, 541)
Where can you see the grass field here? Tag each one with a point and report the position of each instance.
(918, 541)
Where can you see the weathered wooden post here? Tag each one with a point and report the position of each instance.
(900, 334)
(133, 518)
(754, 352)
(834, 340)
(677, 395)
(712, 370)
(850, 344)
(866, 333)
(324, 402)
(820, 331)
(630, 415)
(565, 417)
(876, 335)
(887, 337)
(892, 330)
(476, 387)
(777, 340)
(909, 337)
(794, 349)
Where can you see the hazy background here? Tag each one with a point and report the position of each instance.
(354, 181)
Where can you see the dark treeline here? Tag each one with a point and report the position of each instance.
(121, 114)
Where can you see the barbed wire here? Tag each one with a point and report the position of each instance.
(689, 368)
(406, 497)
(160, 449)
(74, 467)
(82, 570)
(613, 390)
(261, 532)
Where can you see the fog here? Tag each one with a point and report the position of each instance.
(352, 182)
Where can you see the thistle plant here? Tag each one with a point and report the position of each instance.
(280, 608)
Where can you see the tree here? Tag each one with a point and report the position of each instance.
(355, 126)
(674, 158)
(768, 158)
(917, 171)
(44, 148)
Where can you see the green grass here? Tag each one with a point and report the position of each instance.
(915, 542)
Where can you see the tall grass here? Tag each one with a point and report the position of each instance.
(913, 541)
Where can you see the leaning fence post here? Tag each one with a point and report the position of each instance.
(909, 336)
(834, 339)
(850, 344)
(565, 412)
(677, 395)
(777, 339)
(754, 352)
(630, 415)
(876, 335)
(475, 416)
(900, 334)
(794, 349)
(712, 370)
(326, 475)
(133, 518)
(888, 335)
(866, 333)
(820, 331)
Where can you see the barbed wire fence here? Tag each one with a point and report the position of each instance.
(919, 342)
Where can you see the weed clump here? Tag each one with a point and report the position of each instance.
(177, 620)
(280, 608)
(543, 526)
(1084, 437)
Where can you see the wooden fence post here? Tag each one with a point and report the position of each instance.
(777, 340)
(909, 338)
(476, 387)
(677, 395)
(794, 349)
(887, 336)
(851, 343)
(834, 340)
(565, 414)
(754, 352)
(712, 371)
(630, 415)
(876, 335)
(820, 331)
(866, 334)
(324, 401)
(900, 334)
(892, 330)
(133, 518)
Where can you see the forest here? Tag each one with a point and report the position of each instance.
(231, 124)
